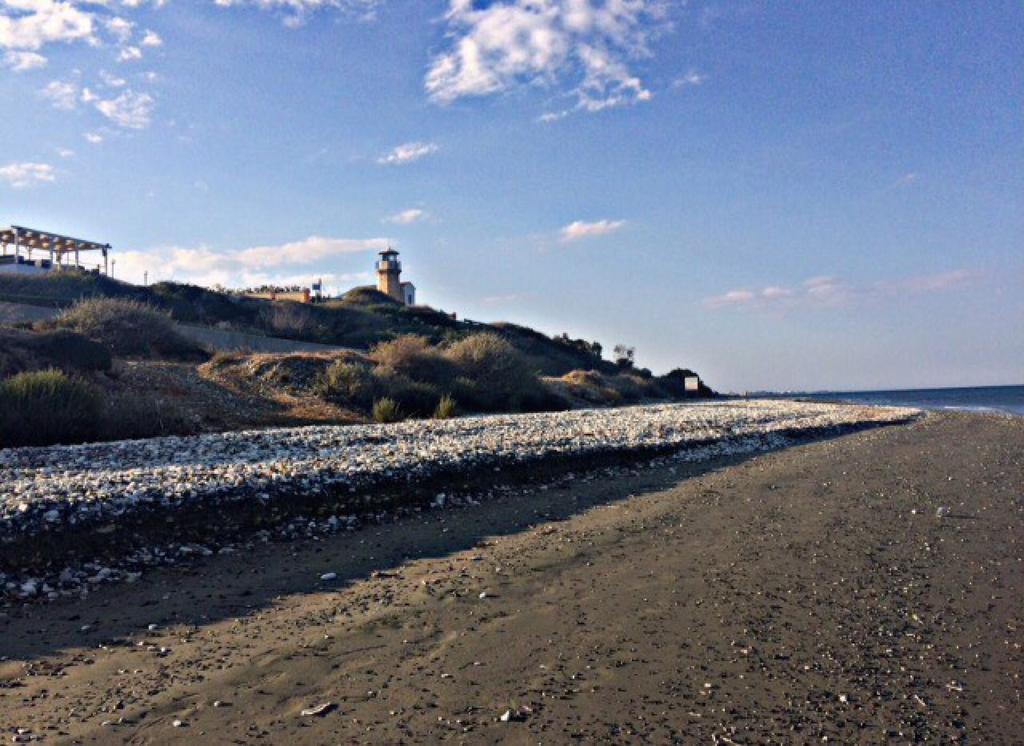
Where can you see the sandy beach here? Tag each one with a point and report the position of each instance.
(798, 595)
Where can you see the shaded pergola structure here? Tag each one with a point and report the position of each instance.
(60, 252)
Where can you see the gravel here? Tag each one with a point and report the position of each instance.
(60, 487)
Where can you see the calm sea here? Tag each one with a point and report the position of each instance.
(1006, 399)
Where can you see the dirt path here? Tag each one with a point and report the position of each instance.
(791, 597)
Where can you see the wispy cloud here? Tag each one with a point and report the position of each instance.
(579, 229)
(129, 109)
(22, 61)
(27, 174)
(930, 283)
(587, 44)
(691, 79)
(244, 267)
(296, 12)
(61, 94)
(906, 180)
(833, 291)
(407, 217)
(408, 153)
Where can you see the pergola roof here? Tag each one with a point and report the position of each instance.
(36, 239)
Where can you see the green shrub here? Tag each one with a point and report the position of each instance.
(413, 356)
(128, 328)
(45, 407)
(629, 387)
(446, 408)
(493, 375)
(292, 320)
(128, 416)
(68, 350)
(386, 410)
(351, 383)
(23, 350)
(414, 397)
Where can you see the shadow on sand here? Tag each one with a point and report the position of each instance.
(246, 581)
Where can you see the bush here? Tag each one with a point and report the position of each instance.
(71, 351)
(45, 407)
(446, 408)
(127, 415)
(386, 410)
(292, 320)
(23, 350)
(414, 397)
(351, 383)
(128, 328)
(494, 375)
(629, 387)
(414, 356)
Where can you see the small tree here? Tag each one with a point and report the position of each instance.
(624, 356)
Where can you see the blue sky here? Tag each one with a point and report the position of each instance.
(783, 195)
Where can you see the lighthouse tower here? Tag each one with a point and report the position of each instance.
(389, 278)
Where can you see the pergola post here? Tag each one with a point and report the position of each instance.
(16, 242)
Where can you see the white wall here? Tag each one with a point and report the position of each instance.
(22, 269)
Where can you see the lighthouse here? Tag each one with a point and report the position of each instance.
(389, 278)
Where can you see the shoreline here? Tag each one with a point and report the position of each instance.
(799, 594)
(352, 475)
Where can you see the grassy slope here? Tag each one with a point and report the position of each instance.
(360, 320)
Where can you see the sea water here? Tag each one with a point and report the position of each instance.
(998, 399)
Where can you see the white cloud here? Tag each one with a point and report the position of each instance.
(112, 81)
(129, 54)
(732, 298)
(93, 138)
(929, 283)
(23, 61)
(24, 175)
(62, 94)
(579, 229)
(407, 153)
(545, 42)
(553, 116)
(151, 39)
(776, 293)
(246, 267)
(692, 78)
(130, 110)
(296, 11)
(406, 217)
(31, 24)
(120, 28)
(828, 291)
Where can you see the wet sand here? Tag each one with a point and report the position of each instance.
(792, 596)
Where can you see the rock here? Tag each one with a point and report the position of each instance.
(318, 710)
(328, 576)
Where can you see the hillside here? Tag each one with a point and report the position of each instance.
(361, 319)
(113, 364)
